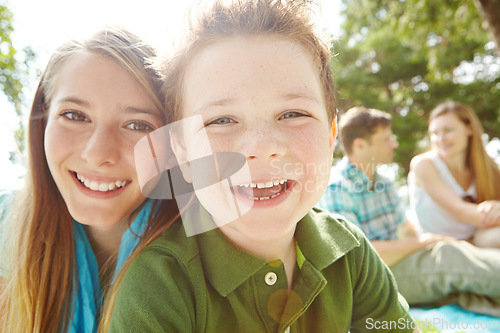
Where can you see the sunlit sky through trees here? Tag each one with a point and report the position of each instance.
(44, 25)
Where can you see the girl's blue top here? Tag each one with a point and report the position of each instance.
(87, 295)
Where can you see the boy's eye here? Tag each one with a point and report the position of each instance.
(139, 126)
(292, 114)
(220, 121)
(75, 116)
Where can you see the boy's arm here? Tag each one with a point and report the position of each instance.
(392, 251)
(154, 296)
(377, 304)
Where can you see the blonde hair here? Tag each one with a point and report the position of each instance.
(36, 297)
(484, 168)
(292, 20)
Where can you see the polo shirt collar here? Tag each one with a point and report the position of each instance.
(321, 239)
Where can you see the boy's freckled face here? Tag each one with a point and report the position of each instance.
(261, 96)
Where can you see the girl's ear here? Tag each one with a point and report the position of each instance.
(180, 152)
(470, 131)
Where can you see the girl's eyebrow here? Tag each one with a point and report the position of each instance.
(132, 110)
(128, 110)
(74, 100)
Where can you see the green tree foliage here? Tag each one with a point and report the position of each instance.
(14, 69)
(407, 56)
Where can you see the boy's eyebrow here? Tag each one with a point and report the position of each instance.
(300, 95)
(217, 102)
(287, 96)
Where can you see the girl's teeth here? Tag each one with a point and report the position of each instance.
(102, 187)
(94, 185)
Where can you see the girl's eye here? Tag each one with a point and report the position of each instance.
(75, 116)
(139, 126)
(293, 114)
(221, 121)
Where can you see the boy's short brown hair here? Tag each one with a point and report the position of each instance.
(288, 19)
(360, 122)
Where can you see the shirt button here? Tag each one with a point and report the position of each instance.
(271, 278)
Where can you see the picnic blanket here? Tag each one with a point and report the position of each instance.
(452, 318)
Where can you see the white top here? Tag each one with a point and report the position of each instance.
(430, 216)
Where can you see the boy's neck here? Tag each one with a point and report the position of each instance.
(282, 248)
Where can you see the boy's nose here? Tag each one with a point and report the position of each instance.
(263, 142)
(102, 147)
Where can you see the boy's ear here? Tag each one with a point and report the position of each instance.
(333, 135)
(180, 153)
(359, 144)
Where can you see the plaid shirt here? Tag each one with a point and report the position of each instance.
(373, 206)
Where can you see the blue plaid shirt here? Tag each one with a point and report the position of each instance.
(373, 206)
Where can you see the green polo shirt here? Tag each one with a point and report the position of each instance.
(205, 283)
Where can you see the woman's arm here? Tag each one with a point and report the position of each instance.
(427, 176)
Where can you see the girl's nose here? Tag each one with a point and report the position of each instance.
(102, 147)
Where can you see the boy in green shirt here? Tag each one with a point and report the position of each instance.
(257, 74)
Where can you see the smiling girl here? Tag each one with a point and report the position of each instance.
(81, 212)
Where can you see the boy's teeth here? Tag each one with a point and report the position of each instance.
(102, 187)
(264, 185)
(265, 198)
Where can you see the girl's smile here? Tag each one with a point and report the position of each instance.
(97, 113)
